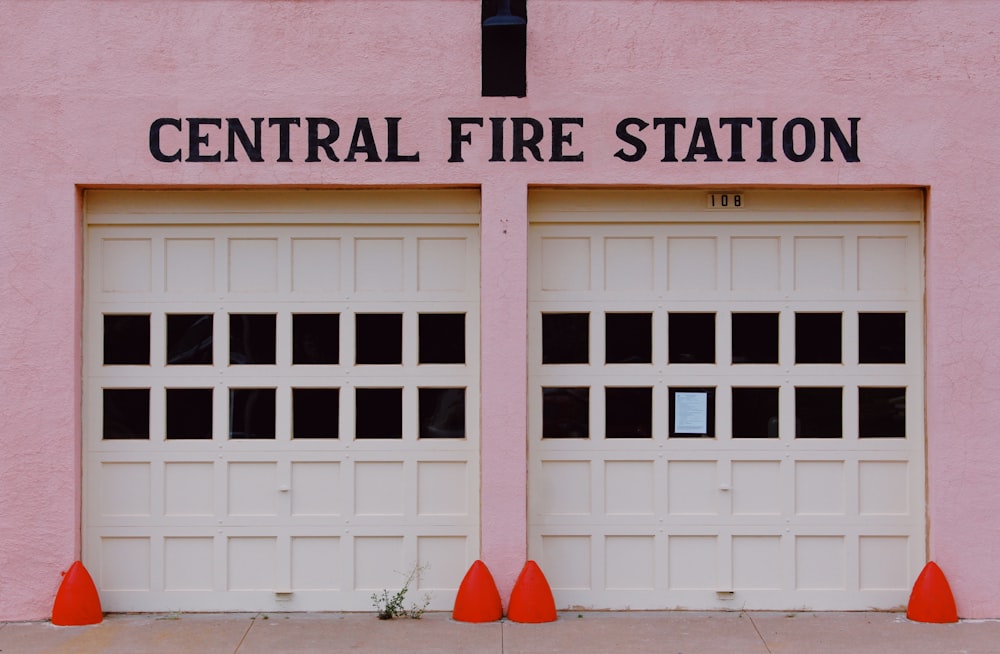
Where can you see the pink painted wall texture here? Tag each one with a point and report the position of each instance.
(81, 81)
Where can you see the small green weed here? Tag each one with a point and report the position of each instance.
(170, 616)
(391, 605)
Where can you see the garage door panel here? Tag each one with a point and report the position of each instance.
(629, 264)
(246, 443)
(885, 263)
(129, 267)
(442, 264)
(189, 489)
(755, 263)
(316, 265)
(692, 264)
(784, 457)
(857, 259)
(630, 487)
(190, 265)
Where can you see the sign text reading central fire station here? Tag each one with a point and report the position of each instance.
(516, 139)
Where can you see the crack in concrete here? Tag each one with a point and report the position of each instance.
(245, 634)
(759, 635)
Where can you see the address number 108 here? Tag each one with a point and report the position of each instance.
(726, 201)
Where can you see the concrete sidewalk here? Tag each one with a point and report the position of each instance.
(675, 632)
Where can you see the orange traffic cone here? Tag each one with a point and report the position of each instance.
(531, 600)
(77, 602)
(931, 599)
(478, 599)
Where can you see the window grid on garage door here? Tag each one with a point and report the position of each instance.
(726, 413)
(280, 417)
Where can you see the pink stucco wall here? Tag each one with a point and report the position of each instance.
(80, 82)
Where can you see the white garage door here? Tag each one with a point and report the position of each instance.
(281, 397)
(726, 398)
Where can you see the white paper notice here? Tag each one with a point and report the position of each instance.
(691, 413)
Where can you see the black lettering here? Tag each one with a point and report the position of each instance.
(560, 137)
(363, 141)
(236, 131)
(154, 139)
(458, 137)
(284, 135)
(497, 125)
(669, 136)
(196, 139)
(392, 124)
(767, 140)
(788, 139)
(848, 150)
(326, 142)
(522, 142)
(736, 126)
(703, 133)
(621, 131)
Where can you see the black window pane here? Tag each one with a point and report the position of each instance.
(692, 412)
(628, 412)
(378, 413)
(316, 338)
(565, 338)
(126, 340)
(442, 338)
(126, 413)
(882, 412)
(819, 413)
(755, 338)
(691, 338)
(189, 339)
(251, 412)
(251, 338)
(755, 413)
(378, 338)
(628, 338)
(882, 338)
(566, 412)
(817, 338)
(315, 412)
(189, 413)
(442, 412)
